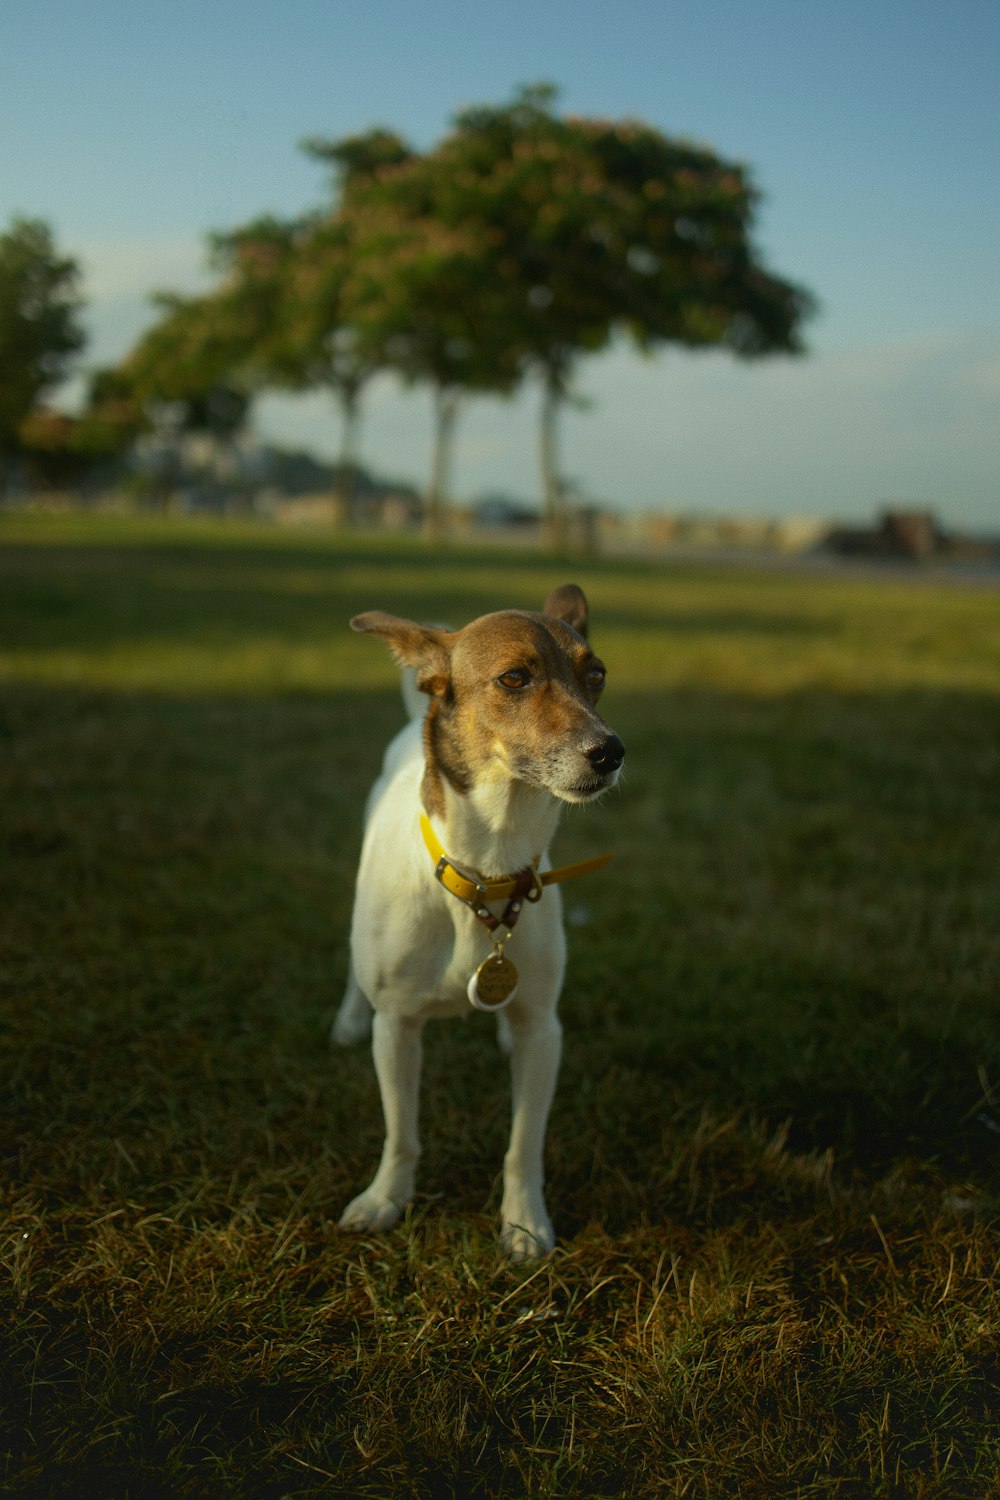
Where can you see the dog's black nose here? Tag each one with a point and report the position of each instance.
(607, 756)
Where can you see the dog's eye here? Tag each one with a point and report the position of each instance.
(517, 678)
(596, 677)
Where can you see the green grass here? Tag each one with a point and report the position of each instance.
(773, 1154)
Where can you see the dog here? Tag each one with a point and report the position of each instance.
(459, 821)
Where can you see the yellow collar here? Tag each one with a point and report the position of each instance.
(467, 886)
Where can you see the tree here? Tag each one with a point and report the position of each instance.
(595, 226)
(179, 358)
(186, 375)
(314, 344)
(111, 418)
(525, 240)
(193, 362)
(318, 335)
(277, 318)
(39, 324)
(675, 226)
(356, 159)
(242, 328)
(199, 367)
(67, 450)
(518, 173)
(418, 302)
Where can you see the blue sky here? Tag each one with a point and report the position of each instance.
(872, 129)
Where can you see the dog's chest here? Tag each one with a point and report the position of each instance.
(428, 972)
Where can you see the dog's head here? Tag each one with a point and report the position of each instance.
(512, 695)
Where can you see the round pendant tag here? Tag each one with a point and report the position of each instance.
(493, 984)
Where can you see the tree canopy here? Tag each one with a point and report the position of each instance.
(523, 241)
(595, 226)
(40, 329)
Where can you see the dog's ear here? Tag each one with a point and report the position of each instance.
(568, 603)
(425, 647)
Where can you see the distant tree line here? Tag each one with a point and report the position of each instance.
(523, 241)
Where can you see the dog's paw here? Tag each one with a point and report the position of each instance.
(372, 1212)
(530, 1240)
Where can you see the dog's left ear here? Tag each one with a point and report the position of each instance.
(568, 603)
(425, 647)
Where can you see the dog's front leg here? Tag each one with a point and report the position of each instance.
(536, 1045)
(397, 1050)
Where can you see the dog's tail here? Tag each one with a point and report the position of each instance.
(413, 698)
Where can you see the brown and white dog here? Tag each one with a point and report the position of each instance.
(510, 734)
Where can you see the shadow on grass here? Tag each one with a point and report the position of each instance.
(800, 927)
(89, 597)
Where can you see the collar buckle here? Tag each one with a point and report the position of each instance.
(480, 892)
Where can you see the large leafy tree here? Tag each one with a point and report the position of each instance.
(518, 174)
(278, 317)
(40, 328)
(419, 303)
(594, 226)
(315, 343)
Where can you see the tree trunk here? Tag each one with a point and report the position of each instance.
(555, 529)
(435, 512)
(350, 410)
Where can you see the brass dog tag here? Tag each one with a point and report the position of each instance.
(493, 983)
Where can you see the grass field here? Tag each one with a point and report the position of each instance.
(773, 1159)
